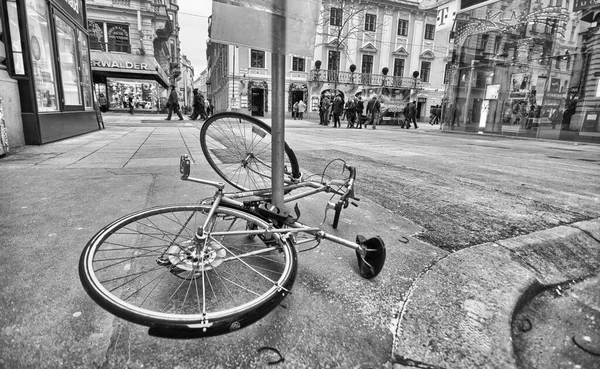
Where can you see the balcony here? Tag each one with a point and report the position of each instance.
(379, 80)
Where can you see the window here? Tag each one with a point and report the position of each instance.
(118, 37)
(425, 70)
(483, 43)
(367, 64)
(15, 38)
(398, 67)
(333, 62)
(298, 64)
(370, 20)
(429, 31)
(41, 55)
(86, 73)
(402, 27)
(335, 17)
(96, 31)
(66, 43)
(257, 59)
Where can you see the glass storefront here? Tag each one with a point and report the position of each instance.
(145, 93)
(42, 55)
(69, 68)
(521, 68)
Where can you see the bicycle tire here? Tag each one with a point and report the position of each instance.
(146, 268)
(238, 147)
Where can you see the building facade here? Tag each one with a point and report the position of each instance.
(362, 48)
(525, 68)
(47, 55)
(134, 52)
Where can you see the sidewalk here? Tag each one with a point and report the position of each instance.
(467, 310)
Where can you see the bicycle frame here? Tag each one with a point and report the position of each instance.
(294, 227)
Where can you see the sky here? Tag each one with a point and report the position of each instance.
(193, 33)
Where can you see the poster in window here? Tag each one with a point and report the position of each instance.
(554, 84)
(519, 84)
(118, 37)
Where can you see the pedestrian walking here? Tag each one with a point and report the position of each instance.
(373, 109)
(337, 109)
(301, 109)
(351, 112)
(295, 110)
(412, 115)
(173, 104)
(324, 110)
(360, 108)
(130, 102)
(195, 105)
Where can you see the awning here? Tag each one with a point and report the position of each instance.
(122, 65)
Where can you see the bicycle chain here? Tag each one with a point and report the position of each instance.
(398, 359)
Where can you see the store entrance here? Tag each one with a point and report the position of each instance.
(258, 102)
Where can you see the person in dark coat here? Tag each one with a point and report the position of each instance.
(195, 105)
(337, 109)
(173, 104)
(412, 114)
(360, 108)
(373, 109)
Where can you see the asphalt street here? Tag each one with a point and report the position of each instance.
(493, 252)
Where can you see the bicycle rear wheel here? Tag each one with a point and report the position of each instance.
(150, 268)
(238, 148)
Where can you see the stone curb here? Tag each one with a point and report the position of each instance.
(459, 313)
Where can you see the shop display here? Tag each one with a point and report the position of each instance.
(42, 60)
(145, 94)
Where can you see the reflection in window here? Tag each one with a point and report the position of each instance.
(15, 36)
(86, 80)
(69, 68)
(41, 55)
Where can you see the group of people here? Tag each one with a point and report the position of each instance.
(353, 110)
(410, 115)
(436, 115)
(298, 109)
(200, 107)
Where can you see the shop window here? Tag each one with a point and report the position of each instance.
(370, 20)
(118, 37)
(257, 59)
(41, 55)
(335, 17)
(298, 64)
(86, 73)
(402, 27)
(15, 37)
(429, 31)
(425, 70)
(145, 94)
(398, 67)
(66, 42)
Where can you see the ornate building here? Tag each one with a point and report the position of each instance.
(362, 47)
(134, 52)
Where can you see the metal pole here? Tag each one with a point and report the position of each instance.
(278, 114)
(278, 128)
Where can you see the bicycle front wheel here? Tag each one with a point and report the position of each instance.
(151, 268)
(238, 148)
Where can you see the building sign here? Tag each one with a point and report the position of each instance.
(119, 64)
(73, 7)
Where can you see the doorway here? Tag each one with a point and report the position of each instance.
(258, 102)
